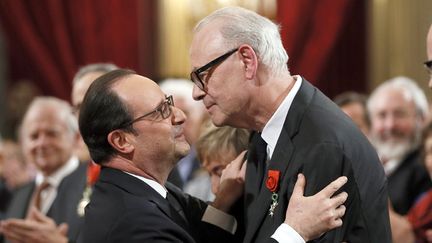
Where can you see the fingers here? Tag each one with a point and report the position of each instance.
(36, 215)
(237, 163)
(330, 189)
(340, 211)
(243, 170)
(63, 228)
(299, 185)
(16, 229)
(340, 198)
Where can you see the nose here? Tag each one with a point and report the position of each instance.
(178, 117)
(197, 93)
(41, 140)
(389, 123)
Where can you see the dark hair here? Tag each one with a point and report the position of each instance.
(102, 111)
(350, 97)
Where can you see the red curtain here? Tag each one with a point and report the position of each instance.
(47, 40)
(326, 42)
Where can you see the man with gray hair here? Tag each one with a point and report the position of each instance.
(239, 67)
(398, 109)
(45, 210)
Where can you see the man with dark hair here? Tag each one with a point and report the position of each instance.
(134, 131)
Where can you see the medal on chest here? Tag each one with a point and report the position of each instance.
(272, 183)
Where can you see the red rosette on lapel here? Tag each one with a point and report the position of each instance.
(93, 171)
(272, 181)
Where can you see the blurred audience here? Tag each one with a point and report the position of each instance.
(354, 105)
(216, 148)
(45, 210)
(416, 226)
(188, 167)
(398, 108)
(15, 171)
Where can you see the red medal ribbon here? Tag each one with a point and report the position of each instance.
(93, 171)
(272, 181)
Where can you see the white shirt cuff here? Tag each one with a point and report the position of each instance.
(284, 233)
(219, 218)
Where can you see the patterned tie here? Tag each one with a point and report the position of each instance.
(36, 197)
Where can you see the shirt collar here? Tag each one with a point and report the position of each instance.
(391, 165)
(55, 178)
(273, 127)
(153, 184)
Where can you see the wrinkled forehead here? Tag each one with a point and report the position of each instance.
(45, 118)
(394, 98)
(207, 44)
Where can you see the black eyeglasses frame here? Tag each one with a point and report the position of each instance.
(195, 75)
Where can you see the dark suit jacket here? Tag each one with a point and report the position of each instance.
(125, 209)
(321, 142)
(408, 182)
(64, 206)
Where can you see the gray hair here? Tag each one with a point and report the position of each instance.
(242, 26)
(410, 89)
(91, 68)
(61, 106)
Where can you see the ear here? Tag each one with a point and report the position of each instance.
(250, 60)
(119, 140)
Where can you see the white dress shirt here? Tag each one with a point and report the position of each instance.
(211, 215)
(270, 134)
(48, 195)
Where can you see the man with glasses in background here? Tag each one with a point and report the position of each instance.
(241, 75)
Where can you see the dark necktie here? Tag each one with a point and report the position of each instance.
(261, 151)
(178, 213)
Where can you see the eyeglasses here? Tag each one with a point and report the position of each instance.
(195, 75)
(428, 66)
(164, 110)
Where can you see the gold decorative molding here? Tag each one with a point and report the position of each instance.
(176, 21)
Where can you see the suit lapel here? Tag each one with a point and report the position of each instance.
(139, 188)
(258, 209)
(19, 204)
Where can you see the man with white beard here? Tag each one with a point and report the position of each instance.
(398, 109)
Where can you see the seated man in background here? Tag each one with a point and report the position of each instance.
(398, 109)
(48, 136)
(135, 132)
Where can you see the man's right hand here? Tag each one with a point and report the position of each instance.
(312, 216)
(231, 185)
